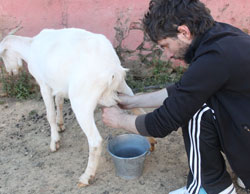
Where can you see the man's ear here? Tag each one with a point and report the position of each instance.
(184, 34)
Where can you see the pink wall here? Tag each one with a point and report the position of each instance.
(100, 16)
(119, 20)
(235, 12)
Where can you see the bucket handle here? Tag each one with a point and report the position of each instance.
(148, 153)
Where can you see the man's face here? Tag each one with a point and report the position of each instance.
(175, 46)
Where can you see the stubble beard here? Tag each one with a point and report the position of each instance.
(181, 52)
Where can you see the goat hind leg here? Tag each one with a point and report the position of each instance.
(51, 116)
(59, 112)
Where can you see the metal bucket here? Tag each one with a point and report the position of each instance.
(128, 152)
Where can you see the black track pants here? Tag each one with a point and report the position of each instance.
(203, 147)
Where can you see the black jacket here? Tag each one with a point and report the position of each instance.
(218, 75)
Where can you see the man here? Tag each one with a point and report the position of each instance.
(211, 102)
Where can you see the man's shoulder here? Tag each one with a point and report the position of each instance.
(225, 40)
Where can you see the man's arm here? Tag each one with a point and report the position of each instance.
(146, 100)
(117, 118)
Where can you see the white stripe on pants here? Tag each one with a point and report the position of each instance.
(195, 158)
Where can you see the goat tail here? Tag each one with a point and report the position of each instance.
(117, 78)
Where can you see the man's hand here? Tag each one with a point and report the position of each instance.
(116, 118)
(112, 117)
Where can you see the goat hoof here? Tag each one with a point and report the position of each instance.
(152, 142)
(152, 147)
(80, 185)
(57, 145)
(86, 180)
(61, 127)
(54, 146)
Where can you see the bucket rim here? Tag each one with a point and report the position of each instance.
(130, 158)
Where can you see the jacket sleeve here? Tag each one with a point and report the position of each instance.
(205, 76)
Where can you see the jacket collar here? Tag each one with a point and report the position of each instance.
(193, 47)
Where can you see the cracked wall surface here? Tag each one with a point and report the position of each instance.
(119, 20)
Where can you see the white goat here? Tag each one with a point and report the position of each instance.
(75, 64)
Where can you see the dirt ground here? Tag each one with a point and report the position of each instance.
(28, 167)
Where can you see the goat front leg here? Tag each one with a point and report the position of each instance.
(83, 108)
(59, 112)
(51, 116)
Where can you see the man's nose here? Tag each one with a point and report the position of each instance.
(168, 54)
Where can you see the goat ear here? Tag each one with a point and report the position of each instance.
(2, 47)
(20, 62)
(1, 50)
(15, 30)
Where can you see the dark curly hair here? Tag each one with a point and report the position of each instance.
(164, 17)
